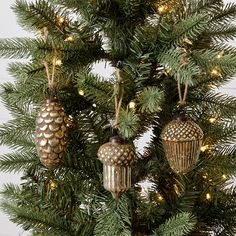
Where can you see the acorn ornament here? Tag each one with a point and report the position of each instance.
(182, 139)
(51, 133)
(117, 158)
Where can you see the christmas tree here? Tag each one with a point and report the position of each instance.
(168, 58)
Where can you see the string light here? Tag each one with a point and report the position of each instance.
(215, 72)
(52, 185)
(208, 196)
(159, 197)
(220, 55)
(81, 92)
(70, 39)
(212, 120)
(204, 148)
(132, 105)
(205, 176)
(58, 62)
(224, 177)
(162, 9)
(61, 20)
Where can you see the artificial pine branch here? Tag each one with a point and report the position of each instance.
(181, 224)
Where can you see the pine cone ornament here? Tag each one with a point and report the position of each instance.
(51, 133)
(182, 139)
(117, 158)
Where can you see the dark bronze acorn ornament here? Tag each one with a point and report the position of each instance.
(51, 123)
(117, 158)
(116, 155)
(182, 139)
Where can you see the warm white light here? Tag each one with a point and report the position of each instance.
(69, 39)
(204, 176)
(212, 119)
(224, 177)
(220, 55)
(132, 105)
(81, 92)
(159, 197)
(204, 148)
(215, 72)
(52, 185)
(61, 20)
(58, 62)
(208, 196)
(161, 9)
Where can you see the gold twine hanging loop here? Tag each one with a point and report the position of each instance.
(50, 76)
(119, 94)
(182, 99)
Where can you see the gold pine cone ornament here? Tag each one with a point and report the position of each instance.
(51, 133)
(182, 139)
(117, 158)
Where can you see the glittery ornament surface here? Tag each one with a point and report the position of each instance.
(182, 140)
(51, 133)
(117, 159)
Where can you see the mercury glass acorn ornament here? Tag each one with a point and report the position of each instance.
(117, 158)
(182, 139)
(51, 133)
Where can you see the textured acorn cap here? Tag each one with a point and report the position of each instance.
(115, 152)
(181, 130)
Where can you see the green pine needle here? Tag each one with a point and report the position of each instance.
(150, 100)
(178, 225)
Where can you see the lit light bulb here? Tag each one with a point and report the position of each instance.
(70, 39)
(215, 72)
(81, 92)
(61, 20)
(224, 177)
(58, 62)
(161, 9)
(208, 196)
(159, 197)
(220, 55)
(132, 105)
(52, 185)
(204, 176)
(212, 119)
(204, 148)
